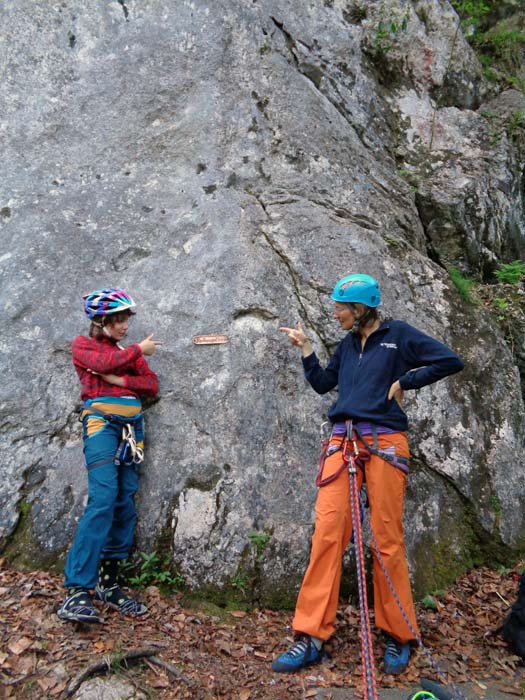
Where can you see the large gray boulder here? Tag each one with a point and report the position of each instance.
(226, 162)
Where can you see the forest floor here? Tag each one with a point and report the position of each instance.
(204, 653)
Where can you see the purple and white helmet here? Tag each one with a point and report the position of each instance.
(103, 302)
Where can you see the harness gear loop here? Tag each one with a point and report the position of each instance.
(393, 459)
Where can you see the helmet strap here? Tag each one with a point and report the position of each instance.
(365, 318)
(368, 318)
(105, 329)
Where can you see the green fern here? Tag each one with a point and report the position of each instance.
(511, 273)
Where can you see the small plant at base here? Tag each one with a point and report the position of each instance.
(495, 504)
(515, 124)
(501, 305)
(511, 273)
(429, 602)
(116, 660)
(240, 581)
(504, 570)
(149, 569)
(259, 540)
(464, 285)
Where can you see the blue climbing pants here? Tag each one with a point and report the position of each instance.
(106, 528)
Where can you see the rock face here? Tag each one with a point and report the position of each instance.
(226, 163)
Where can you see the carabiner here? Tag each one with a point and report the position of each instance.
(324, 434)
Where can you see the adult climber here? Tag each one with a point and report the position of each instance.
(375, 362)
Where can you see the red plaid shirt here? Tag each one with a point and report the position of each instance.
(106, 357)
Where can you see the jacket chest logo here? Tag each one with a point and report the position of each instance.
(389, 346)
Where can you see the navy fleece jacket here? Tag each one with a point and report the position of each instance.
(395, 350)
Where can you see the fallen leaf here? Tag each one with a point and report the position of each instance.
(20, 645)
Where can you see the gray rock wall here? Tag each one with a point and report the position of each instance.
(226, 163)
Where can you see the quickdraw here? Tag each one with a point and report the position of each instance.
(128, 451)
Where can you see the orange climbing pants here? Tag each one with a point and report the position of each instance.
(318, 598)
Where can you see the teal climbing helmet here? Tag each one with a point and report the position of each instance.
(357, 289)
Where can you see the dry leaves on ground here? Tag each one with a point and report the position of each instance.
(202, 656)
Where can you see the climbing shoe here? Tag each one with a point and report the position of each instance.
(396, 656)
(116, 598)
(302, 653)
(78, 607)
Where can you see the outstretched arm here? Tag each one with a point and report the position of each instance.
(298, 338)
(321, 380)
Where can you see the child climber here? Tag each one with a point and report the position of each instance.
(371, 366)
(113, 379)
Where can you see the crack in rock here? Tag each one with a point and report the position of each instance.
(314, 74)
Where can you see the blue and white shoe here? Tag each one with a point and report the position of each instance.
(396, 656)
(116, 598)
(78, 607)
(302, 653)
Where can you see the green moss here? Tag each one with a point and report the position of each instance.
(215, 599)
(462, 544)
(282, 596)
(440, 563)
(204, 478)
(23, 550)
(245, 590)
(18, 545)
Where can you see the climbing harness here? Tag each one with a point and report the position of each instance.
(128, 452)
(327, 450)
(363, 456)
(354, 458)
